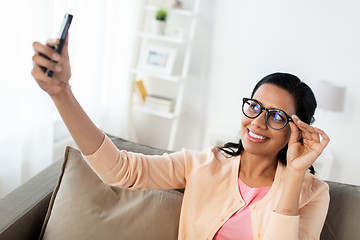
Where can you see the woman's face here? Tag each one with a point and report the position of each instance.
(256, 136)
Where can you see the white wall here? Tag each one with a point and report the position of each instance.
(314, 40)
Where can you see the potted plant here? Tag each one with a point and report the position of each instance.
(159, 23)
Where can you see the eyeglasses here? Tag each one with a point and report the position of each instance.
(274, 118)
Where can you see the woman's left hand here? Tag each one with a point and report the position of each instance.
(300, 156)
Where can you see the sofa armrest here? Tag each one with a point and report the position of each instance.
(24, 209)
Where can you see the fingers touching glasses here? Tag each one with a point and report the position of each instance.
(311, 134)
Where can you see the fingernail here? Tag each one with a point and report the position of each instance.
(56, 56)
(58, 68)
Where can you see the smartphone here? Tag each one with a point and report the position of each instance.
(62, 36)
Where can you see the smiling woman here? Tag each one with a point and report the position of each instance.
(269, 136)
(28, 118)
(298, 95)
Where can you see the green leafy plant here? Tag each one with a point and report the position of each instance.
(161, 15)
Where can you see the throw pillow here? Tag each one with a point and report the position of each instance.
(83, 207)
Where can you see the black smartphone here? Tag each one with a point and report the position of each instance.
(62, 36)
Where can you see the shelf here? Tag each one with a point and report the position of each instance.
(182, 22)
(156, 112)
(171, 78)
(177, 11)
(163, 38)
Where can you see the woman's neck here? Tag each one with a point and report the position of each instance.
(257, 170)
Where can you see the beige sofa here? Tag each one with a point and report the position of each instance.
(68, 201)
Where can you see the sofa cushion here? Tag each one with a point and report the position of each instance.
(83, 207)
(342, 221)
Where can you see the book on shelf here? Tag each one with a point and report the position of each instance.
(140, 90)
(160, 103)
(159, 100)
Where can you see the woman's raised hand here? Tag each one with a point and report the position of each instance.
(300, 156)
(61, 68)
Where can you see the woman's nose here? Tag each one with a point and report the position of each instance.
(259, 121)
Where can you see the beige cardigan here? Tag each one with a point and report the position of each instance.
(211, 191)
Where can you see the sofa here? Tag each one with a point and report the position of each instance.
(68, 201)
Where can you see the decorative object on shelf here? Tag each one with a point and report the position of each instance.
(160, 103)
(141, 90)
(177, 4)
(157, 59)
(159, 23)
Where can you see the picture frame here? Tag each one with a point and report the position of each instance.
(158, 59)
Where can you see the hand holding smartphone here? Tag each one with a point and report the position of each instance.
(62, 36)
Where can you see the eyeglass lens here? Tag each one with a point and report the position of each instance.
(275, 118)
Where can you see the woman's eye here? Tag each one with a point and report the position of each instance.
(255, 107)
(278, 117)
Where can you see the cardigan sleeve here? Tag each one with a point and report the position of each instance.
(308, 224)
(138, 171)
(313, 214)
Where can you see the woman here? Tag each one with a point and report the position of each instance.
(259, 188)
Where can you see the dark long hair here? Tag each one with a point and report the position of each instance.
(305, 104)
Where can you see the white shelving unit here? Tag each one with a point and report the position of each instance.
(187, 17)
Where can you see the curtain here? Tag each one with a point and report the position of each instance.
(101, 41)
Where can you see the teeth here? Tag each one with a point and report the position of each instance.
(256, 136)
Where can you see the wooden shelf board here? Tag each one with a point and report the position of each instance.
(161, 37)
(172, 78)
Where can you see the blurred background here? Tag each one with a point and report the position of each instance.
(226, 46)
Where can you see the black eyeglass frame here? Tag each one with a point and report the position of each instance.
(262, 108)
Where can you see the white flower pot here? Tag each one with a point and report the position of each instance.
(159, 27)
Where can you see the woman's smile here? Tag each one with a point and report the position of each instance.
(255, 137)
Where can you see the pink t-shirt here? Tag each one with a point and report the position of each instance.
(238, 226)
